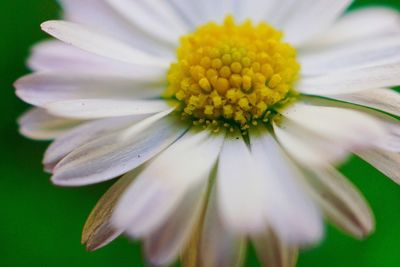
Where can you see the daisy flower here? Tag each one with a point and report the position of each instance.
(224, 121)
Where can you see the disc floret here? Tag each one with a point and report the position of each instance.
(232, 74)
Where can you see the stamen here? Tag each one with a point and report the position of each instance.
(232, 74)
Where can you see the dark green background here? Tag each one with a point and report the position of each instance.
(40, 224)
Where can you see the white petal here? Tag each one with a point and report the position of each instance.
(383, 99)
(164, 245)
(160, 188)
(97, 43)
(351, 56)
(189, 11)
(358, 25)
(40, 125)
(240, 188)
(40, 89)
(113, 155)
(300, 20)
(55, 55)
(81, 135)
(386, 162)
(290, 212)
(308, 147)
(100, 15)
(341, 201)
(272, 252)
(390, 140)
(105, 108)
(256, 10)
(155, 17)
(98, 231)
(218, 246)
(345, 127)
(386, 75)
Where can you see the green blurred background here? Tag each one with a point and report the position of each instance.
(40, 224)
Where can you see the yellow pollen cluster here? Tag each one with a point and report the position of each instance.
(232, 73)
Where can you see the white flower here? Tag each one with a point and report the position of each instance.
(218, 149)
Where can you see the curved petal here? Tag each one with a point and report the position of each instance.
(40, 89)
(159, 189)
(386, 75)
(288, 208)
(98, 14)
(56, 56)
(351, 56)
(308, 147)
(81, 135)
(97, 43)
(218, 245)
(163, 246)
(362, 25)
(385, 161)
(40, 125)
(383, 99)
(240, 188)
(155, 17)
(272, 252)
(105, 108)
(341, 202)
(98, 231)
(346, 127)
(113, 155)
(301, 20)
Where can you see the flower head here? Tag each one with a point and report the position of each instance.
(223, 120)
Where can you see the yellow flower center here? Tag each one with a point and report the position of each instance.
(232, 74)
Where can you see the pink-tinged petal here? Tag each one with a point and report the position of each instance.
(40, 125)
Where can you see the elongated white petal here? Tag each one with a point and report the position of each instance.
(383, 99)
(290, 212)
(189, 11)
(160, 188)
(100, 15)
(300, 20)
(104, 108)
(345, 127)
(386, 162)
(154, 17)
(218, 245)
(272, 252)
(351, 56)
(358, 25)
(241, 188)
(40, 125)
(81, 135)
(308, 147)
(341, 201)
(97, 43)
(56, 56)
(113, 155)
(43, 88)
(98, 231)
(351, 81)
(164, 245)
(256, 10)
